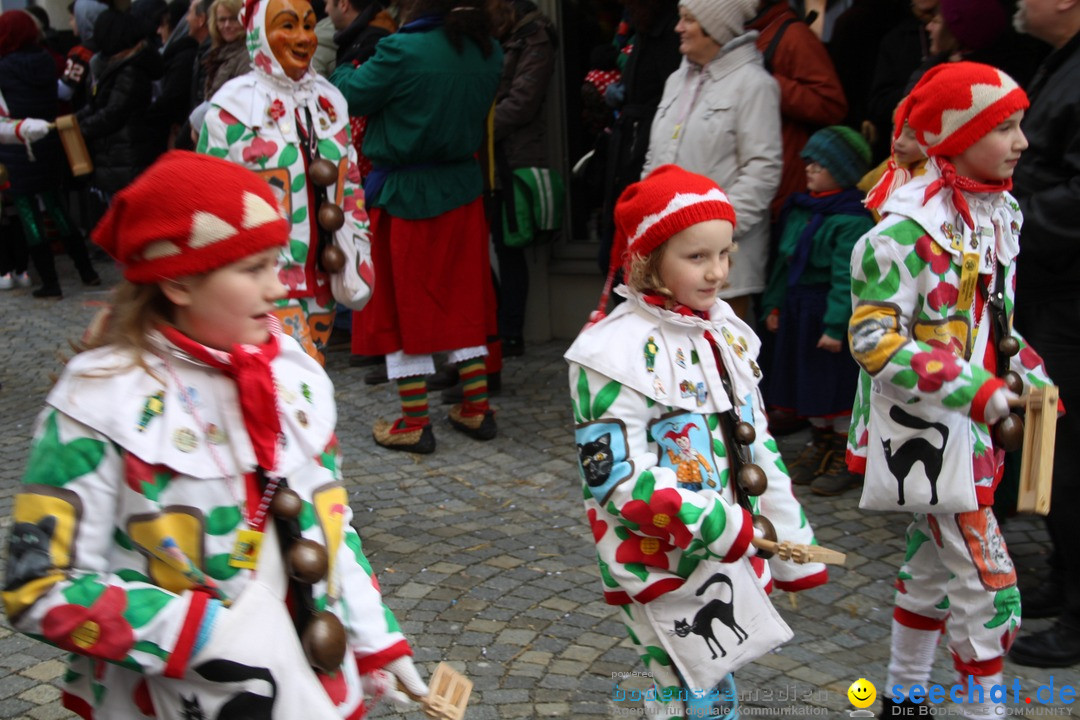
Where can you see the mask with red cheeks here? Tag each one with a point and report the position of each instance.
(290, 32)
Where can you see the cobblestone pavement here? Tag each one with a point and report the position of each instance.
(496, 574)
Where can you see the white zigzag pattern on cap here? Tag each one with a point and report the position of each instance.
(983, 95)
(681, 201)
(257, 212)
(160, 249)
(207, 229)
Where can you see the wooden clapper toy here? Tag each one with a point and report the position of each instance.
(74, 145)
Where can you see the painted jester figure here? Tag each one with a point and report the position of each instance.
(654, 388)
(182, 529)
(286, 122)
(932, 288)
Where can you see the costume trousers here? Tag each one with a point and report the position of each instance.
(958, 573)
(666, 677)
(1052, 326)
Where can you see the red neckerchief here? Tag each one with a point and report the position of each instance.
(825, 193)
(249, 368)
(956, 183)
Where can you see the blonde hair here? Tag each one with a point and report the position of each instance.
(134, 312)
(644, 275)
(233, 6)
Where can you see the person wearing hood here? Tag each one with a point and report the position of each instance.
(284, 121)
(171, 106)
(121, 141)
(720, 117)
(28, 86)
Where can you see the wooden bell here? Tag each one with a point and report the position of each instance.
(333, 259)
(752, 480)
(1014, 382)
(744, 433)
(1009, 433)
(1009, 346)
(330, 216)
(763, 523)
(307, 561)
(323, 172)
(286, 504)
(324, 642)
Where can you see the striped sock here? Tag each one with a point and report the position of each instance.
(473, 373)
(414, 402)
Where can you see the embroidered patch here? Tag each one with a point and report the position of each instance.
(650, 354)
(686, 446)
(603, 456)
(688, 389)
(987, 548)
(154, 406)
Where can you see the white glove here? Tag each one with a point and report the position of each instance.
(997, 407)
(32, 129)
(383, 683)
(751, 550)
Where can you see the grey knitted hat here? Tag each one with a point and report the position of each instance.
(722, 19)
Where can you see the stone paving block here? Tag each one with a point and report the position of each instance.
(40, 694)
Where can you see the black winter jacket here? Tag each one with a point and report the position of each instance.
(528, 64)
(121, 141)
(174, 101)
(28, 83)
(1047, 180)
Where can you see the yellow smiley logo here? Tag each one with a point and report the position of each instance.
(862, 693)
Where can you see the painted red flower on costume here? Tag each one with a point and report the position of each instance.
(227, 117)
(354, 204)
(935, 368)
(645, 550)
(98, 631)
(292, 276)
(599, 527)
(276, 111)
(1029, 358)
(931, 252)
(328, 108)
(944, 295)
(660, 516)
(259, 151)
(984, 465)
(263, 63)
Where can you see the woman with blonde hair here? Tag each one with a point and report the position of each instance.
(228, 57)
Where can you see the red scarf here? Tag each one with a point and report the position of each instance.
(956, 183)
(249, 368)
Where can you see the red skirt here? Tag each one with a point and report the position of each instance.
(433, 287)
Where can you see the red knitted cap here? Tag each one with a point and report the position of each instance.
(955, 104)
(190, 214)
(666, 201)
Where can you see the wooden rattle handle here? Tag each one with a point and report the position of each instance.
(795, 552)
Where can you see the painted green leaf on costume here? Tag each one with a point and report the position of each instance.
(298, 250)
(621, 532)
(121, 539)
(218, 567)
(85, 591)
(144, 604)
(220, 153)
(643, 488)
(802, 523)
(391, 621)
(150, 648)
(957, 398)
(1006, 605)
(57, 463)
(584, 396)
(689, 513)
(905, 379)
(875, 287)
(915, 540)
(288, 156)
(223, 519)
(713, 525)
(233, 133)
(200, 146)
(128, 575)
(656, 654)
(713, 420)
(352, 540)
(605, 398)
(637, 569)
(329, 150)
(944, 604)
(307, 516)
(718, 448)
(299, 216)
(605, 573)
(298, 182)
(687, 564)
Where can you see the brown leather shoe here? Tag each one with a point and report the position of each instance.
(417, 440)
(480, 426)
